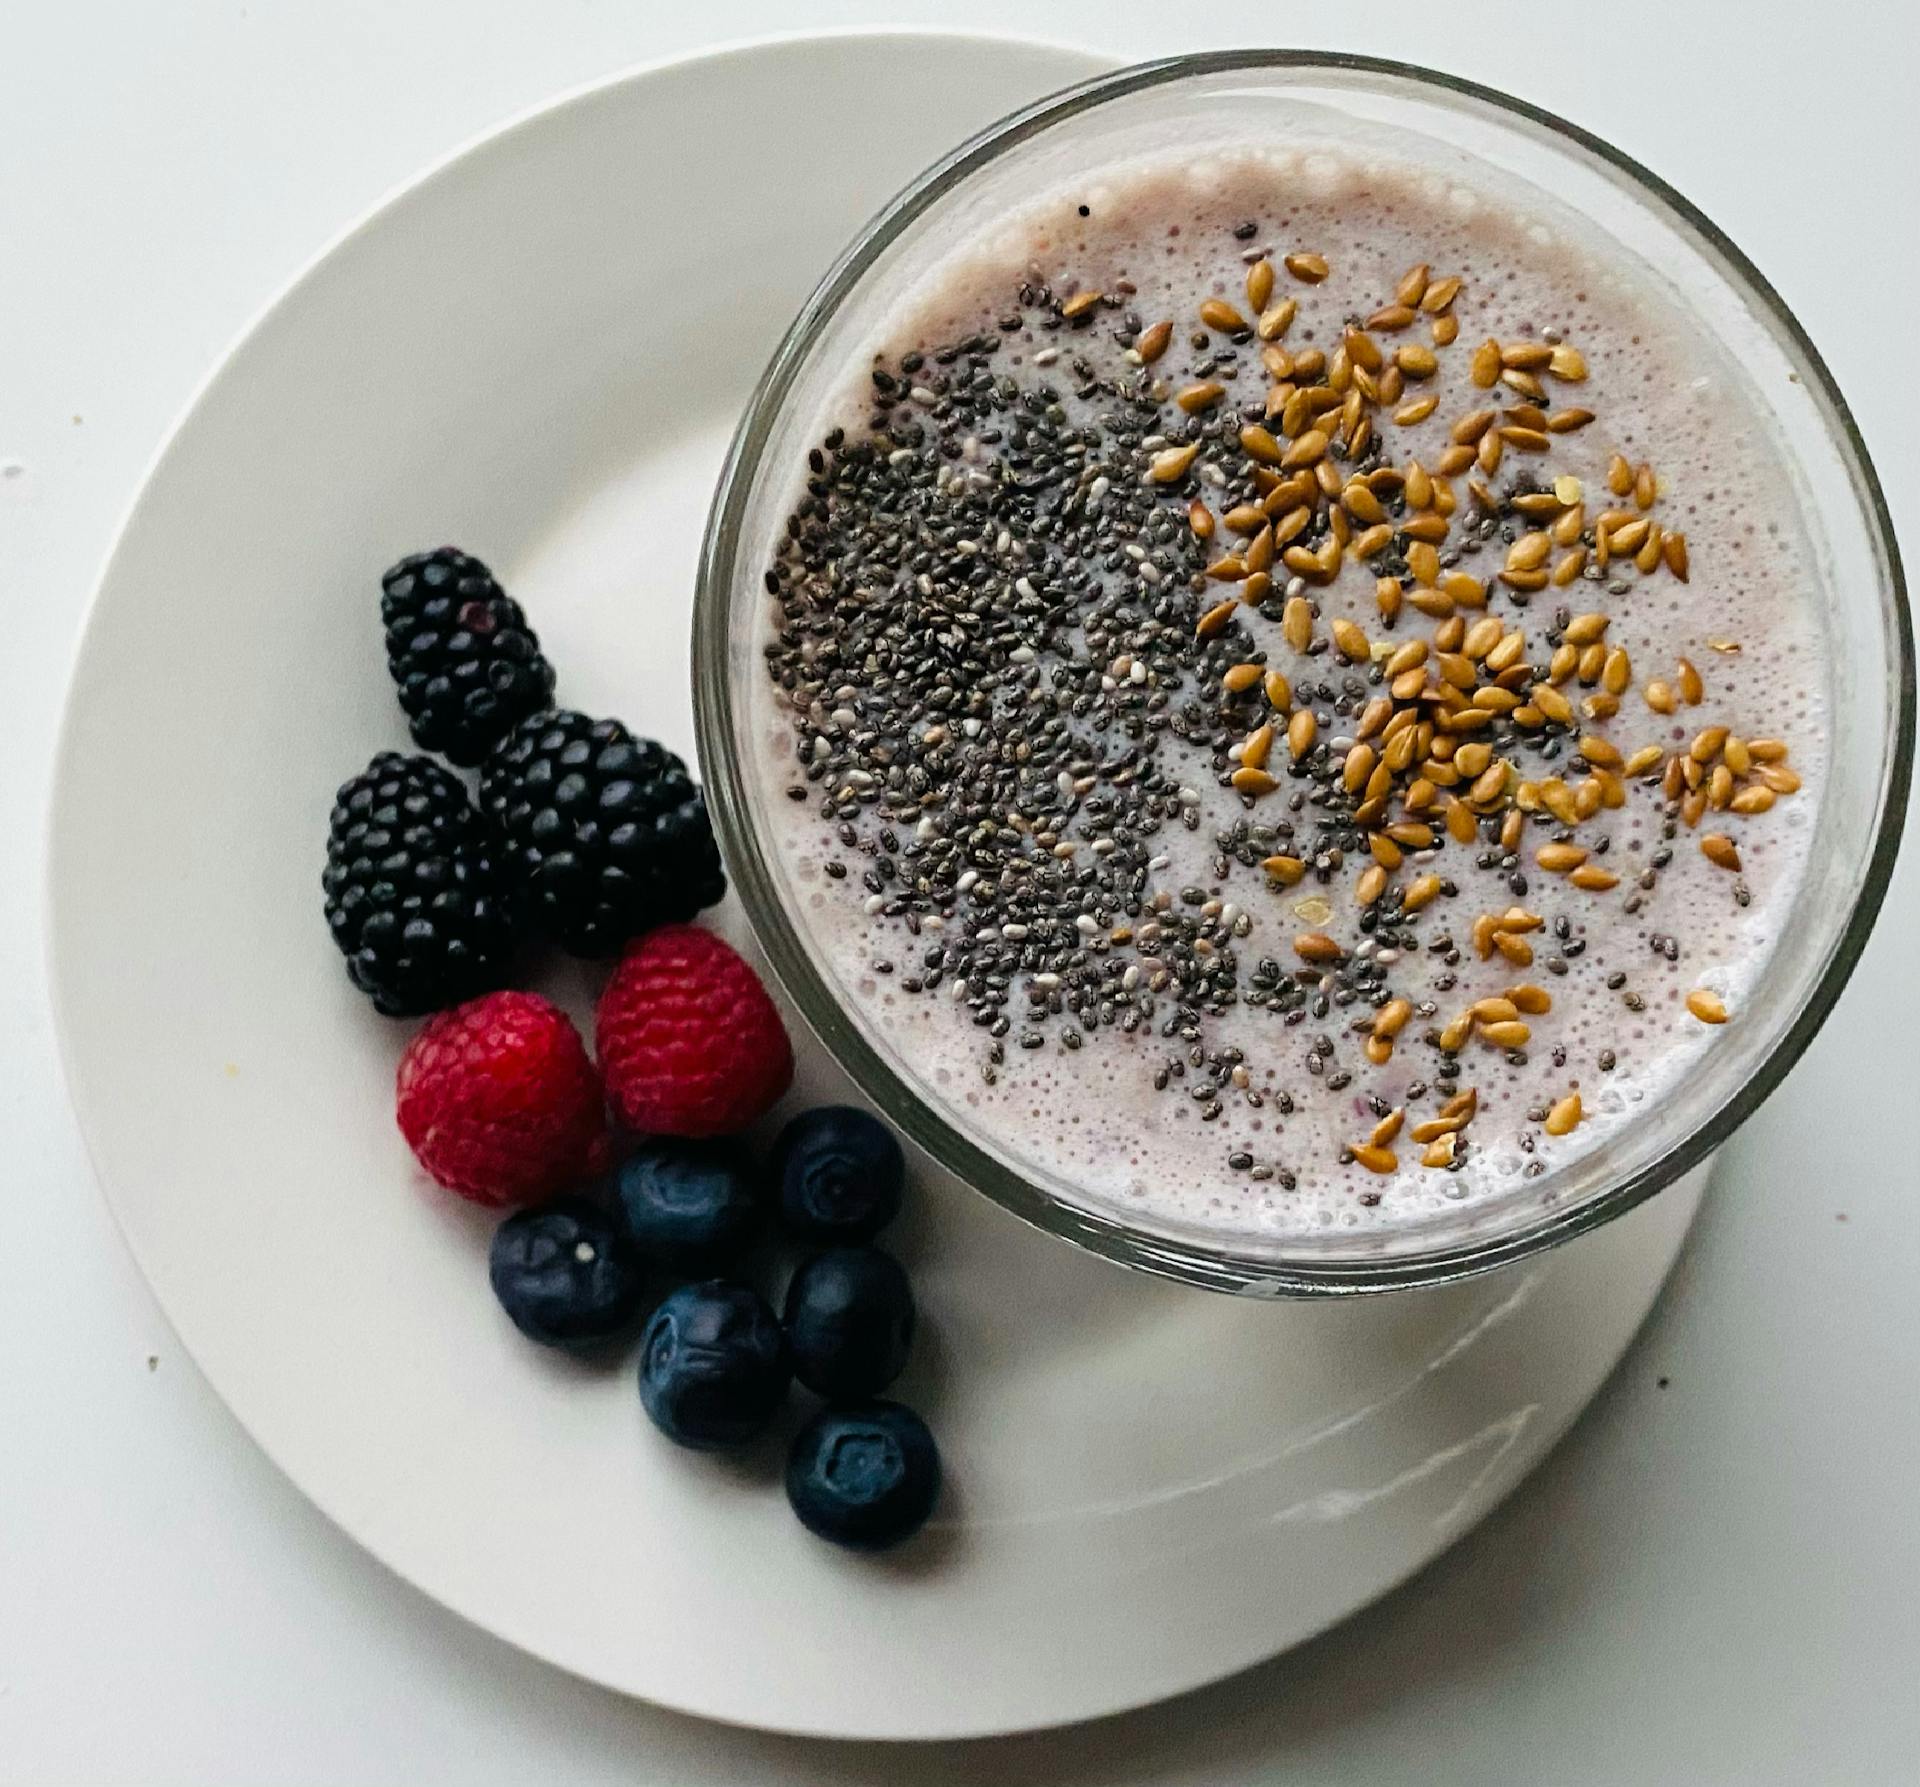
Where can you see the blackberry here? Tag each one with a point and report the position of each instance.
(460, 651)
(606, 834)
(415, 895)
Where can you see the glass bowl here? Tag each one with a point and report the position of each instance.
(1195, 99)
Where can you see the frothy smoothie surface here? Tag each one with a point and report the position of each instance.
(1294, 692)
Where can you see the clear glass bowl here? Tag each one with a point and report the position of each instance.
(1195, 99)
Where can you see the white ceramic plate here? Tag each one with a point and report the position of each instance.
(538, 352)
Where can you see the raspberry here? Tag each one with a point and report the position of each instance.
(688, 1040)
(498, 1100)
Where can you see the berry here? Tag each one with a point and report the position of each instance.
(688, 1040)
(689, 1204)
(565, 1274)
(865, 1477)
(606, 834)
(498, 1100)
(415, 896)
(461, 653)
(849, 1321)
(840, 1173)
(713, 1365)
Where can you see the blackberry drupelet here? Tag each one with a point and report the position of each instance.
(416, 898)
(460, 651)
(606, 834)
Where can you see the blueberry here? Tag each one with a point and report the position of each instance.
(689, 1204)
(713, 1365)
(566, 1274)
(865, 1477)
(849, 1321)
(840, 1174)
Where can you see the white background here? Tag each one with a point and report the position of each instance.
(1717, 1578)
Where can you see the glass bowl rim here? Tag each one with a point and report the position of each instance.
(1222, 1267)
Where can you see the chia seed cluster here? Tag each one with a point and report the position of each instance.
(1005, 704)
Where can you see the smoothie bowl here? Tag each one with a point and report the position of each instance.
(1315, 710)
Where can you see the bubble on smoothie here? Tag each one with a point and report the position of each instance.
(1322, 174)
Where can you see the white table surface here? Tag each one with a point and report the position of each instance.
(1716, 1578)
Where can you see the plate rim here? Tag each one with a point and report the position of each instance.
(53, 845)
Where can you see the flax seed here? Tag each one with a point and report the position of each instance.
(1551, 703)
(1307, 448)
(1215, 620)
(1276, 319)
(1628, 537)
(1196, 398)
(1420, 892)
(1707, 744)
(1172, 464)
(1558, 859)
(1564, 1117)
(1707, 1007)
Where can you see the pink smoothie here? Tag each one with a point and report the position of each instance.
(1273, 1115)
